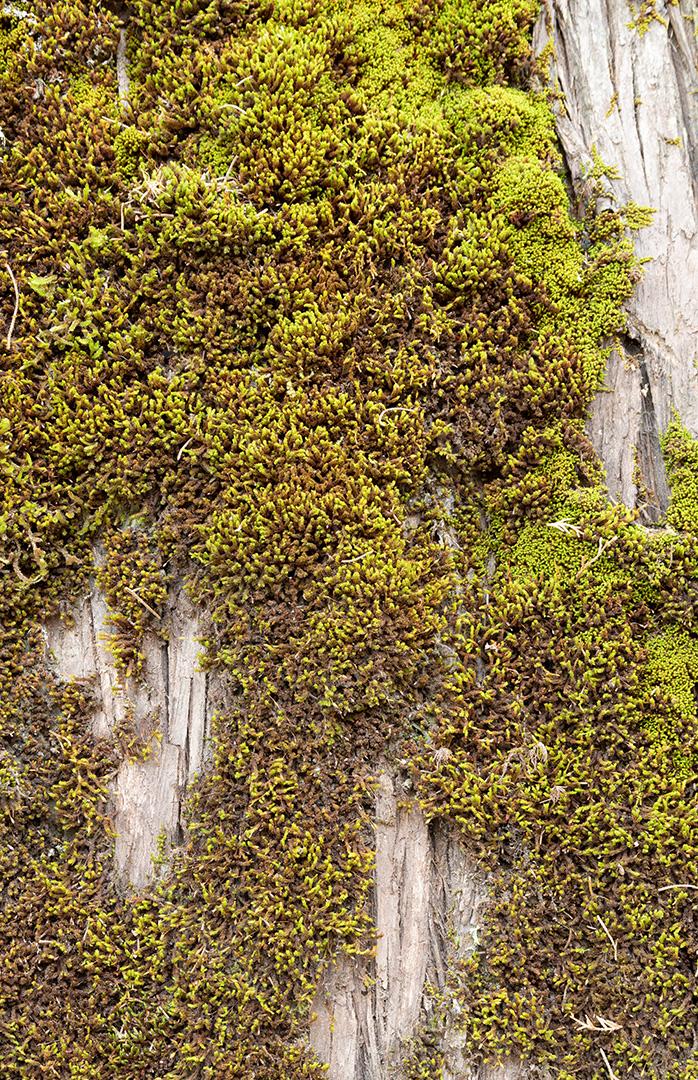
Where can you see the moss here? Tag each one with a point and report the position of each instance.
(317, 334)
(644, 13)
(135, 588)
(495, 121)
(681, 453)
(13, 39)
(585, 616)
(396, 75)
(671, 677)
(479, 43)
(128, 147)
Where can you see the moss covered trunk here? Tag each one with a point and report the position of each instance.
(349, 529)
(632, 99)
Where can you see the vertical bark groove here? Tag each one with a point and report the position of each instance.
(632, 96)
(428, 901)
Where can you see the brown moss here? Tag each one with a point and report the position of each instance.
(326, 275)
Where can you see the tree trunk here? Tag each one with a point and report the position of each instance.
(632, 98)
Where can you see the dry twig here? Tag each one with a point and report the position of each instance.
(183, 448)
(136, 596)
(122, 78)
(357, 558)
(609, 1070)
(608, 935)
(601, 1024)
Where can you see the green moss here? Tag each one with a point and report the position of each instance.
(671, 677)
(396, 75)
(478, 43)
(495, 121)
(135, 588)
(317, 334)
(128, 150)
(644, 13)
(681, 453)
(13, 39)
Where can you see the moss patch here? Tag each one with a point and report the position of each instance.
(316, 333)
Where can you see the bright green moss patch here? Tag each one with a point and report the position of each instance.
(128, 146)
(311, 328)
(13, 38)
(681, 452)
(476, 43)
(671, 675)
(497, 120)
(396, 71)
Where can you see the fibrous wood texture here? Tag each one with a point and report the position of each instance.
(428, 902)
(426, 905)
(169, 709)
(629, 95)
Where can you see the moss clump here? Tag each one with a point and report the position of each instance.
(128, 147)
(476, 43)
(135, 588)
(317, 334)
(671, 676)
(13, 39)
(681, 452)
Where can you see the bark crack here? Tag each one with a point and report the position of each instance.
(164, 652)
(611, 44)
(637, 104)
(650, 459)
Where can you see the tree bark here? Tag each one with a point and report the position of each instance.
(631, 97)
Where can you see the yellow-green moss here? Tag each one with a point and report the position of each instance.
(135, 588)
(644, 13)
(316, 333)
(681, 452)
(128, 146)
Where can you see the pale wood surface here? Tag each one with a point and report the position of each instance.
(173, 696)
(633, 96)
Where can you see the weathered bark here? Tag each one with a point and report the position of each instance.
(633, 98)
(172, 702)
(428, 904)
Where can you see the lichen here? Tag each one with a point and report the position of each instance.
(313, 330)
